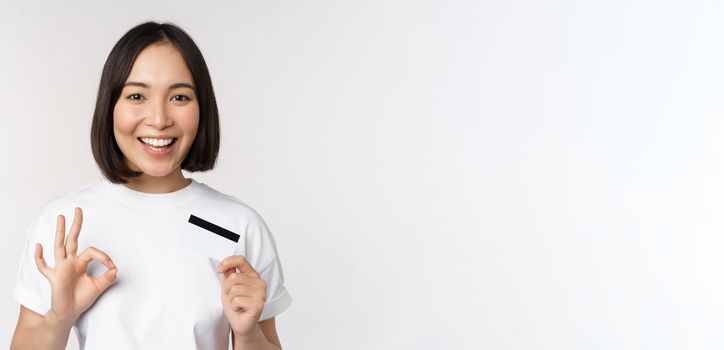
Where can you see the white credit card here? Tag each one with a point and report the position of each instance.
(208, 239)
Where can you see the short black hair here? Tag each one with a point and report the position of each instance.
(205, 149)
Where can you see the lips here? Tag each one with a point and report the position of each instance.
(157, 151)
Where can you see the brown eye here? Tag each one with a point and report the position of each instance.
(135, 97)
(180, 98)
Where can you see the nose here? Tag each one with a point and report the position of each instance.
(157, 116)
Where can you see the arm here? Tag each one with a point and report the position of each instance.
(35, 331)
(266, 338)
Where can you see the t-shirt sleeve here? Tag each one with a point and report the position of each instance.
(31, 288)
(261, 252)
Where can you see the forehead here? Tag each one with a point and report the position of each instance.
(160, 64)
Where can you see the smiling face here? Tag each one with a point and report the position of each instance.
(157, 105)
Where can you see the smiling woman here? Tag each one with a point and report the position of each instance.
(155, 79)
(155, 116)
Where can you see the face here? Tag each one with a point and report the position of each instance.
(157, 114)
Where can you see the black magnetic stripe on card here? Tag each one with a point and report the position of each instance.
(213, 228)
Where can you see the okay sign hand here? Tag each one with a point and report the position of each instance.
(73, 291)
(243, 294)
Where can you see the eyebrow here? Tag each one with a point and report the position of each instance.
(174, 86)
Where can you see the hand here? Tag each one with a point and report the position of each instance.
(243, 295)
(73, 291)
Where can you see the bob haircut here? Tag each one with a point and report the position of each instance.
(205, 148)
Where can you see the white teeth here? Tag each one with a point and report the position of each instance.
(156, 142)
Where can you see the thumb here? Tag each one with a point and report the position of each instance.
(106, 279)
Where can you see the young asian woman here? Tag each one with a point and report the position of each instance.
(155, 116)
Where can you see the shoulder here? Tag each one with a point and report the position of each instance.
(43, 219)
(65, 202)
(229, 204)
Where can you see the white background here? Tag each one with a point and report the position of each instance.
(438, 174)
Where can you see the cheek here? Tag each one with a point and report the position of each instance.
(123, 122)
(188, 121)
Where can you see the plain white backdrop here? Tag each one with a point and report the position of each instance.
(438, 174)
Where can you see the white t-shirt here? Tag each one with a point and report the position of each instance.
(166, 296)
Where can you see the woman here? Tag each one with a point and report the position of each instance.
(184, 264)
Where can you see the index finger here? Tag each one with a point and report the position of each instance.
(239, 262)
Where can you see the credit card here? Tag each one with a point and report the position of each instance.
(209, 239)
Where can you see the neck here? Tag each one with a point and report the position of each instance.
(158, 184)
